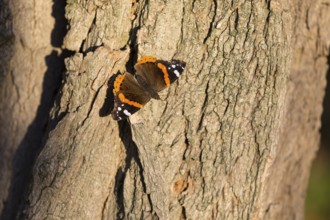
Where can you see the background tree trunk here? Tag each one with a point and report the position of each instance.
(30, 72)
(234, 138)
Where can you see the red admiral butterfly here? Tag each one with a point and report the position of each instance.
(132, 92)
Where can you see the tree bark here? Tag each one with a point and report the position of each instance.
(234, 138)
(30, 73)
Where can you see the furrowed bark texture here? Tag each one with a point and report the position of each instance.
(299, 136)
(232, 139)
(30, 71)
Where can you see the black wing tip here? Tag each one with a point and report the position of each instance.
(180, 63)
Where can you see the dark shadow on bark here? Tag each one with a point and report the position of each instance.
(109, 98)
(61, 23)
(325, 128)
(7, 41)
(6, 38)
(32, 143)
(134, 50)
(132, 153)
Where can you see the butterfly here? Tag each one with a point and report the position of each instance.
(132, 92)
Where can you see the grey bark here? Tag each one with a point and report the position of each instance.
(234, 138)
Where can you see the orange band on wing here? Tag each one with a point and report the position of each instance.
(117, 83)
(123, 99)
(164, 70)
(147, 59)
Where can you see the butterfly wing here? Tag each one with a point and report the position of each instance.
(129, 96)
(159, 74)
(173, 69)
(147, 70)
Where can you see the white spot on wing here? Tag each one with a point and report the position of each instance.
(127, 112)
(177, 73)
(119, 109)
(173, 66)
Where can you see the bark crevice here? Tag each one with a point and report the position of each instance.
(211, 25)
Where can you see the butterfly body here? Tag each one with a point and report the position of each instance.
(132, 92)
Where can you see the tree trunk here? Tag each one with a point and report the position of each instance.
(234, 138)
(30, 72)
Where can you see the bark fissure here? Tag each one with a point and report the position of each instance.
(84, 48)
(104, 208)
(91, 106)
(205, 102)
(211, 25)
